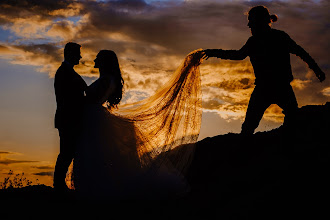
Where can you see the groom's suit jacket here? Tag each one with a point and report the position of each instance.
(69, 91)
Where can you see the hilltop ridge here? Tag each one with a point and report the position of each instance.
(268, 174)
(286, 167)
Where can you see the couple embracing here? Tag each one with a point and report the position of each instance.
(123, 153)
(127, 152)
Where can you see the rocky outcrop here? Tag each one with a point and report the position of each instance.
(286, 167)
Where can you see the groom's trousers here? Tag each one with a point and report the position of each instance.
(68, 141)
(265, 95)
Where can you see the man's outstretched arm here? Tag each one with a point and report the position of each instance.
(240, 54)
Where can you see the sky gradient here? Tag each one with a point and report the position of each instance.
(151, 39)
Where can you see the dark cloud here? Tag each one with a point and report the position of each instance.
(178, 27)
(4, 152)
(51, 51)
(7, 161)
(14, 9)
(212, 104)
(50, 173)
(43, 167)
(4, 160)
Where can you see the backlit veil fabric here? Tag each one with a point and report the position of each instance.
(118, 146)
(169, 118)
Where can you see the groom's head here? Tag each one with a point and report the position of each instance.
(72, 53)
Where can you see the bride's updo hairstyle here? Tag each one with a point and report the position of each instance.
(111, 65)
(261, 15)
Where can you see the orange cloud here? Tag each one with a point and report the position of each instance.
(31, 27)
(73, 9)
(326, 91)
(300, 84)
(227, 86)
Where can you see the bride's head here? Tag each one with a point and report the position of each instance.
(107, 62)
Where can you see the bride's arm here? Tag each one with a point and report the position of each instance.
(100, 90)
(95, 91)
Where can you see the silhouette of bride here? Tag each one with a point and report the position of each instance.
(130, 151)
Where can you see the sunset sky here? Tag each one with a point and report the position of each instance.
(151, 39)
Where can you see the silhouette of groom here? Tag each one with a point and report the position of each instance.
(69, 92)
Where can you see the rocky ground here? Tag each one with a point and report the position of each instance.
(278, 174)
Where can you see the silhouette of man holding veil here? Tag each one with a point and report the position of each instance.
(269, 51)
(69, 91)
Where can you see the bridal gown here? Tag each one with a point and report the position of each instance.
(107, 165)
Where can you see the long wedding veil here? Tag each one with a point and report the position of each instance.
(167, 124)
(161, 129)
